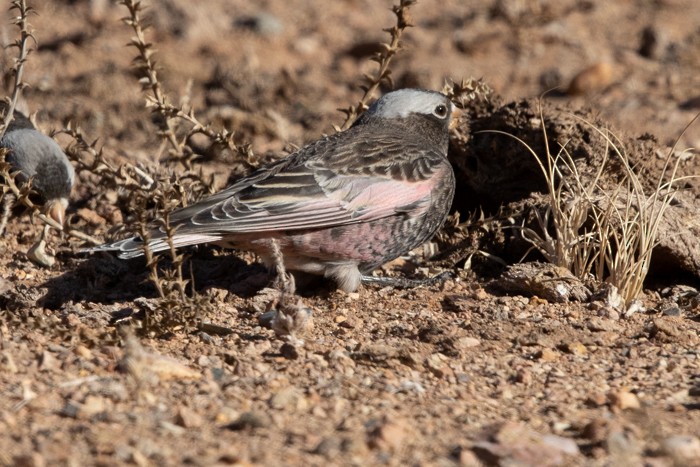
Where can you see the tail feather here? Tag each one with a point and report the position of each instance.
(133, 247)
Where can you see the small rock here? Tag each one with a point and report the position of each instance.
(666, 329)
(386, 435)
(328, 447)
(467, 342)
(523, 376)
(652, 43)
(47, 361)
(515, 444)
(91, 406)
(593, 78)
(672, 311)
(546, 355)
(28, 460)
(289, 351)
(596, 430)
(623, 399)
(596, 324)
(286, 399)
(576, 348)
(262, 23)
(83, 351)
(248, 420)
(682, 448)
(188, 418)
(467, 458)
(596, 400)
(437, 363)
(7, 363)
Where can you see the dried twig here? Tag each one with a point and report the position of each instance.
(22, 44)
(157, 100)
(383, 58)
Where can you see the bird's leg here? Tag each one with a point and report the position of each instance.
(403, 283)
(8, 200)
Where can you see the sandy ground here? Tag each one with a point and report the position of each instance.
(456, 373)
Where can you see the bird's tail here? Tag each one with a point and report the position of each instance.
(134, 246)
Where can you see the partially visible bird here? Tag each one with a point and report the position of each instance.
(39, 158)
(339, 207)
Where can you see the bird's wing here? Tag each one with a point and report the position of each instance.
(326, 186)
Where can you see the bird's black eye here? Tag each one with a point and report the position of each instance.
(440, 111)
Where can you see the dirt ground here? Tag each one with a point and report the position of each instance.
(452, 374)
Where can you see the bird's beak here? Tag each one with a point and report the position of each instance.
(56, 210)
(456, 114)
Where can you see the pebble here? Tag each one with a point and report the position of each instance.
(92, 406)
(288, 398)
(467, 342)
(593, 78)
(516, 444)
(263, 23)
(653, 42)
(623, 399)
(547, 355)
(682, 448)
(438, 366)
(83, 351)
(388, 435)
(249, 420)
(188, 418)
(576, 348)
(47, 361)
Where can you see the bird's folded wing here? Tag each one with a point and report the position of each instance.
(314, 205)
(302, 198)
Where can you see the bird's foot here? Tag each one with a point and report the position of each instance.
(403, 283)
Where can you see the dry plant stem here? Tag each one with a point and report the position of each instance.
(617, 248)
(150, 76)
(158, 100)
(151, 259)
(22, 44)
(8, 199)
(383, 58)
(177, 259)
(631, 231)
(126, 176)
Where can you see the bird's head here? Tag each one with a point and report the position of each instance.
(406, 103)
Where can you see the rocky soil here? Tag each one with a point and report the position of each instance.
(471, 371)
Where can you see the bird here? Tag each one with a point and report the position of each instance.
(36, 157)
(339, 207)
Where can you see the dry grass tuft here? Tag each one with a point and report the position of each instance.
(596, 232)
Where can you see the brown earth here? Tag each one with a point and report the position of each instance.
(455, 373)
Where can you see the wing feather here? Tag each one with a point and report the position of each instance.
(338, 180)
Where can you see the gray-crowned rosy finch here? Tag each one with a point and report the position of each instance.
(39, 158)
(340, 206)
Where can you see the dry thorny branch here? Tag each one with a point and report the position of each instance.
(168, 113)
(22, 44)
(383, 58)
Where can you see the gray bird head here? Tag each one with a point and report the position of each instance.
(41, 159)
(407, 102)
